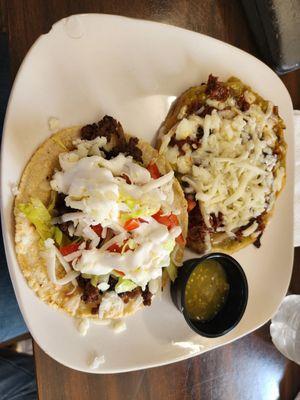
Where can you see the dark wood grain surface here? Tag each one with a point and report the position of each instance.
(250, 368)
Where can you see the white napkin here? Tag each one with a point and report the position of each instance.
(297, 179)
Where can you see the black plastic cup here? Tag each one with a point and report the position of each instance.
(232, 311)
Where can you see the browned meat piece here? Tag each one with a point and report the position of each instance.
(199, 133)
(112, 282)
(147, 296)
(129, 148)
(91, 294)
(133, 294)
(110, 127)
(207, 111)
(64, 227)
(197, 228)
(60, 205)
(257, 242)
(194, 107)
(260, 228)
(216, 220)
(89, 132)
(133, 150)
(107, 127)
(242, 103)
(216, 90)
(188, 140)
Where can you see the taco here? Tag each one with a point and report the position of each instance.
(99, 219)
(226, 146)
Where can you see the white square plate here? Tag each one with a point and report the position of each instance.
(91, 65)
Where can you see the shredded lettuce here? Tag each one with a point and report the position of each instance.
(58, 235)
(172, 271)
(130, 244)
(87, 276)
(124, 285)
(138, 208)
(40, 217)
(52, 202)
(169, 245)
(95, 280)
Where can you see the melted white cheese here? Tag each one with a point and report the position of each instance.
(97, 188)
(153, 246)
(233, 171)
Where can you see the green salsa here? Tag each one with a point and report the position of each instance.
(206, 291)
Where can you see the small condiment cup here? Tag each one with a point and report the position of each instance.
(232, 311)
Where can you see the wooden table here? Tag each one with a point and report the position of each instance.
(250, 368)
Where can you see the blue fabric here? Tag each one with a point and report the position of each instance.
(17, 376)
(11, 321)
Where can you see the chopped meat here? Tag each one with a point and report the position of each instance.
(126, 177)
(184, 184)
(216, 220)
(197, 228)
(82, 281)
(239, 235)
(111, 153)
(64, 227)
(199, 133)
(133, 294)
(109, 127)
(95, 310)
(89, 132)
(239, 232)
(216, 90)
(260, 228)
(181, 143)
(129, 148)
(194, 107)
(275, 110)
(242, 103)
(133, 150)
(112, 282)
(91, 293)
(257, 242)
(207, 111)
(147, 296)
(261, 222)
(60, 205)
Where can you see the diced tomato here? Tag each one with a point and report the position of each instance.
(97, 229)
(154, 171)
(69, 248)
(143, 220)
(169, 220)
(119, 272)
(126, 179)
(115, 248)
(180, 240)
(191, 204)
(131, 224)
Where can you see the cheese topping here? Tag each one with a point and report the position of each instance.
(234, 169)
(99, 190)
